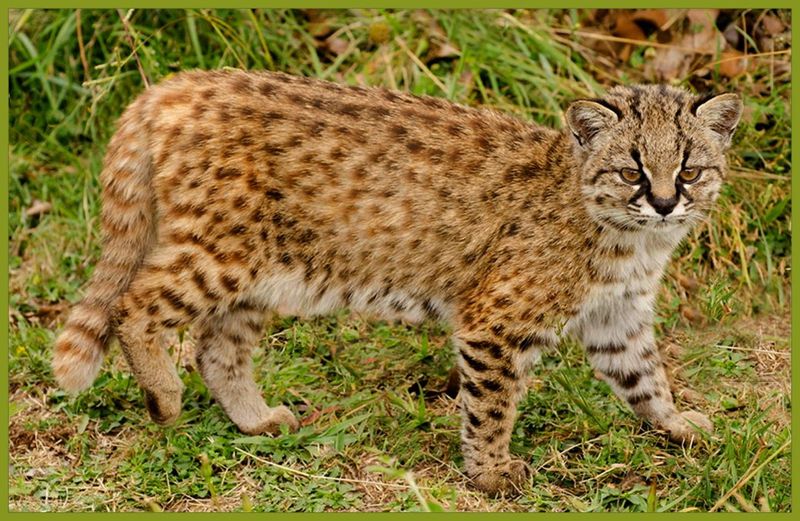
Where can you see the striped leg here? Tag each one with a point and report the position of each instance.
(224, 345)
(632, 366)
(492, 371)
(144, 313)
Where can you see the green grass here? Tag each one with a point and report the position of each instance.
(370, 440)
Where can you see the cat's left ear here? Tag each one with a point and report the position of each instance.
(721, 114)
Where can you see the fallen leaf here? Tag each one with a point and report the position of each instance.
(691, 314)
(689, 283)
(38, 207)
(703, 34)
(732, 64)
(631, 480)
(732, 35)
(440, 47)
(689, 395)
(771, 34)
(701, 37)
(625, 27)
(467, 80)
(658, 18)
(423, 17)
(316, 413)
(441, 52)
(318, 23)
(337, 46)
(599, 45)
(772, 25)
(319, 30)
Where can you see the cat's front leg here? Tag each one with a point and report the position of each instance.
(492, 369)
(621, 346)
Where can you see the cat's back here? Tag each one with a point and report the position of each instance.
(333, 184)
(290, 122)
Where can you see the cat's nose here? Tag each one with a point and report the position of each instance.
(664, 206)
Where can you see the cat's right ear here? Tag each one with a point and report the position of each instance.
(721, 114)
(589, 118)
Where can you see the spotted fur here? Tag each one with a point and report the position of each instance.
(228, 196)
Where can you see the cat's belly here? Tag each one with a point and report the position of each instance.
(290, 293)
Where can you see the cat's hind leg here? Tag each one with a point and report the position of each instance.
(154, 304)
(224, 344)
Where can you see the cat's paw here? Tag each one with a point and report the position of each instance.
(508, 478)
(278, 416)
(686, 429)
(165, 407)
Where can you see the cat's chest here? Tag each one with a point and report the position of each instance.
(621, 288)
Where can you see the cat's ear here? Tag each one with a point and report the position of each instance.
(721, 114)
(589, 118)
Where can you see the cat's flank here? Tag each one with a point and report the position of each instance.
(229, 196)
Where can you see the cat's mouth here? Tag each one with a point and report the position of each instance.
(662, 221)
(632, 221)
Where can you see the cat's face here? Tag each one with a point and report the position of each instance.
(652, 157)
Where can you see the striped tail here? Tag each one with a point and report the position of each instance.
(128, 233)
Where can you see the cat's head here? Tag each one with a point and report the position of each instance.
(652, 156)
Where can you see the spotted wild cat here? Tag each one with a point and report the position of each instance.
(229, 195)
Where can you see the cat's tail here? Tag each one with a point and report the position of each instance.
(128, 206)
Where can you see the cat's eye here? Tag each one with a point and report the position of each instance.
(689, 175)
(631, 176)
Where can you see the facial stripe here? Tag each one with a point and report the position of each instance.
(636, 99)
(686, 155)
(684, 192)
(681, 135)
(637, 157)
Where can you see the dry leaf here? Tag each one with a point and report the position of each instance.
(689, 283)
(599, 44)
(689, 395)
(319, 30)
(702, 37)
(442, 52)
(732, 64)
(467, 79)
(772, 25)
(37, 208)
(690, 314)
(423, 17)
(318, 23)
(316, 413)
(440, 47)
(626, 27)
(732, 35)
(337, 46)
(658, 18)
(772, 34)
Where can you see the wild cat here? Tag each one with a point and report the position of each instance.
(230, 195)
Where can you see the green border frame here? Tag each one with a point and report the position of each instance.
(5, 5)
